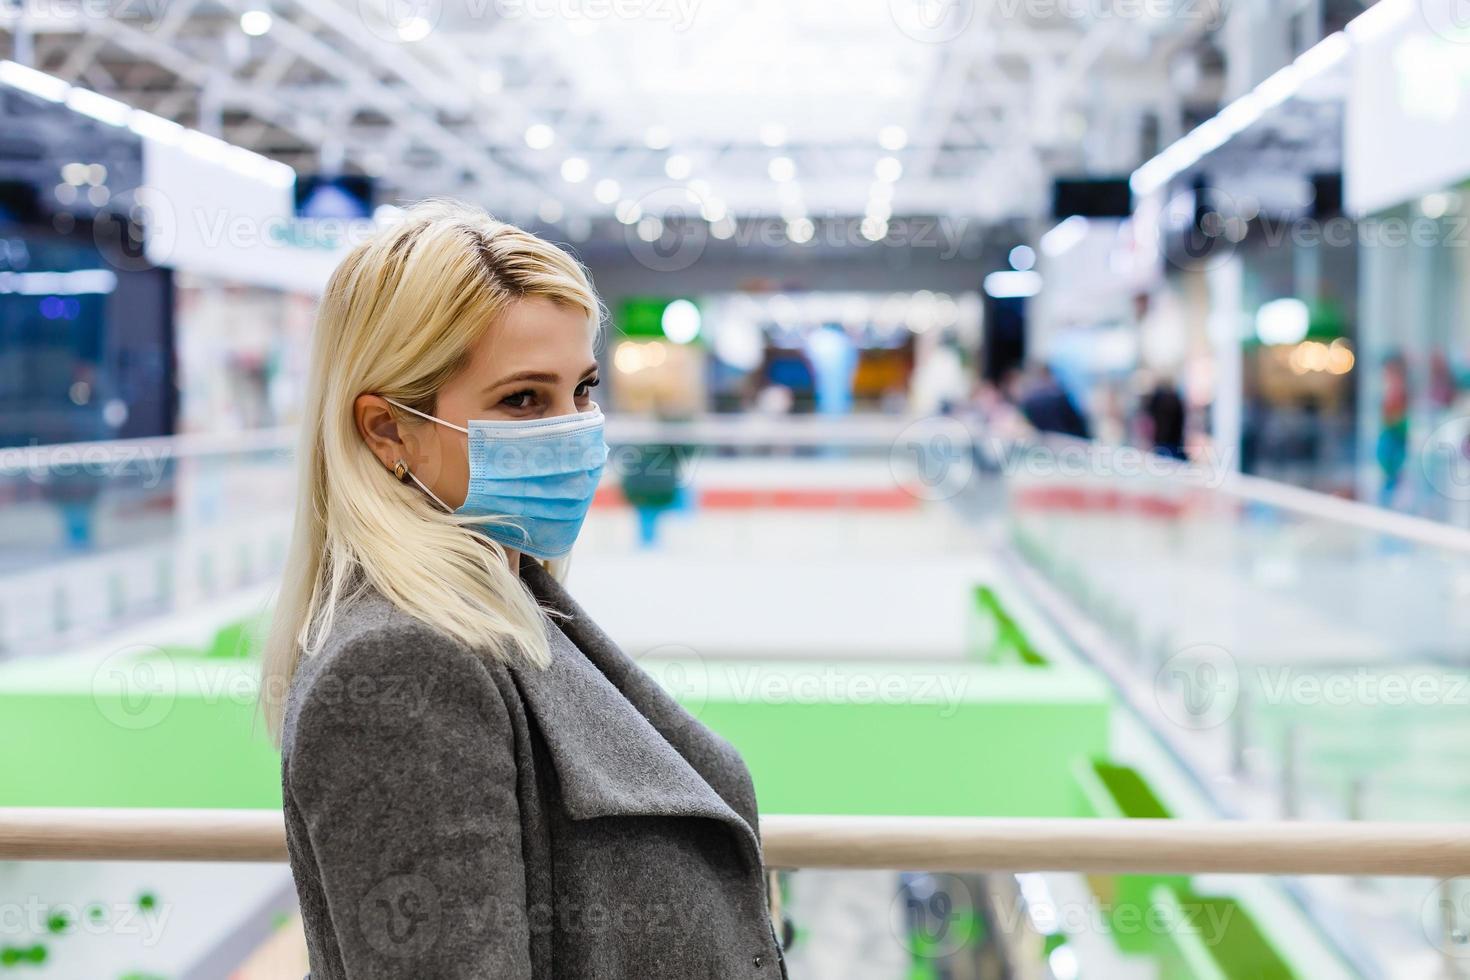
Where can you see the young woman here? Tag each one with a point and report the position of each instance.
(478, 784)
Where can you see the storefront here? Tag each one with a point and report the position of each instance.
(1407, 168)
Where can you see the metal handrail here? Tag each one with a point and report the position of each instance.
(1440, 850)
(738, 430)
(1280, 496)
(713, 430)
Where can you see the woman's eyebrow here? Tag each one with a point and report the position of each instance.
(539, 377)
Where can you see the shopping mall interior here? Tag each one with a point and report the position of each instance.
(1038, 441)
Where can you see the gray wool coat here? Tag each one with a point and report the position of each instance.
(451, 818)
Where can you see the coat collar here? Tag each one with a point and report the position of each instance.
(620, 745)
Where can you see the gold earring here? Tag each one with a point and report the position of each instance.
(400, 470)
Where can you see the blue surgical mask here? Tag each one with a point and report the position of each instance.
(538, 476)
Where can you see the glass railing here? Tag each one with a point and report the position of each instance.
(1272, 654)
(98, 535)
(1305, 657)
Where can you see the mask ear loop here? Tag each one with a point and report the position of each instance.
(424, 415)
(404, 474)
(400, 468)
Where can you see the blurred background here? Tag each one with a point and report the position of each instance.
(1018, 408)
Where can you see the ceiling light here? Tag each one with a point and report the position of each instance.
(1323, 55)
(206, 147)
(155, 128)
(889, 169)
(574, 170)
(1274, 90)
(678, 167)
(893, 138)
(1065, 236)
(1023, 258)
(1379, 19)
(256, 23)
(650, 228)
(773, 134)
(681, 321)
(606, 191)
(99, 107)
(782, 169)
(800, 230)
(1012, 285)
(712, 209)
(414, 29)
(38, 83)
(628, 212)
(657, 138)
(1283, 321)
(1436, 205)
(539, 136)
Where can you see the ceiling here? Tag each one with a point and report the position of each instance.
(577, 110)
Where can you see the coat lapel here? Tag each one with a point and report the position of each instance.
(614, 740)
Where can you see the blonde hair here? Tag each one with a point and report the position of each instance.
(398, 319)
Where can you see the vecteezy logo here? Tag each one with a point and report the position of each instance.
(681, 672)
(1450, 19)
(400, 21)
(668, 233)
(1204, 226)
(1198, 687)
(1445, 917)
(1445, 458)
(143, 15)
(932, 458)
(932, 21)
(135, 687)
(934, 915)
(138, 231)
(401, 916)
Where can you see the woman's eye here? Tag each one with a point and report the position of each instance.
(585, 388)
(520, 399)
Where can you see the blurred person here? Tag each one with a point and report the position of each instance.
(1392, 449)
(940, 381)
(651, 488)
(1164, 417)
(1049, 408)
(995, 413)
(995, 423)
(652, 483)
(1442, 387)
(774, 401)
(833, 358)
(470, 767)
(1109, 417)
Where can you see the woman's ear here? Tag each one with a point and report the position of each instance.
(378, 428)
